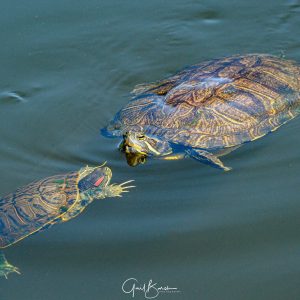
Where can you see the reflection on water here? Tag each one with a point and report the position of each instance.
(211, 234)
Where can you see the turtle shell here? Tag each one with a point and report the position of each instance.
(36, 206)
(217, 104)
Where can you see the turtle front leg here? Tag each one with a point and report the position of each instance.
(112, 190)
(207, 158)
(116, 190)
(173, 156)
(5, 267)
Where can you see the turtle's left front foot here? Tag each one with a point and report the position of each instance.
(207, 158)
(6, 268)
(116, 190)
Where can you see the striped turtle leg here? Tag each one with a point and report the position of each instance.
(6, 267)
(207, 158)
(173, 156)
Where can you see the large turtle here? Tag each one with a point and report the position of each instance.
(208, 109)
(50, 201)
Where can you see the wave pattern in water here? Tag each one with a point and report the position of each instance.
(213, 235)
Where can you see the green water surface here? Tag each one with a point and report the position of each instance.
(66, 68)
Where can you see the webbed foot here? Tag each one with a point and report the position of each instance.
(116, 190)
(6, 268)
(207, 158)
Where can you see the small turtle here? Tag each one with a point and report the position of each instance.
(53, 200)
(209, 109)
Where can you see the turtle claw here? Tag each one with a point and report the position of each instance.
(6, 268)
(126, 182)
(116, 190)
(12, 269)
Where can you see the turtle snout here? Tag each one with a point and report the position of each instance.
(128, 144)
(126, 147)
(130, 149)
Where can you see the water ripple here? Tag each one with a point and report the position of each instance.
(12, 97)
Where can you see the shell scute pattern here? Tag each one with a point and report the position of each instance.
(218, 104)
(35, 207)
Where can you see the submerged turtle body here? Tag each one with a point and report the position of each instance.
(218, 104)
(46, 202)
(36, 206)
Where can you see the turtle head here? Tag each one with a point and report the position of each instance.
(137, 146)
(91, 178)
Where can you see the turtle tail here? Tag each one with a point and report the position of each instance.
(5, 267)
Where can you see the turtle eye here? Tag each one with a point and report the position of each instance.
(141, 137)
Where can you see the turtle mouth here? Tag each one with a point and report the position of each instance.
(133, 156)
(134, 150)
(104, 178)
(131, 149)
